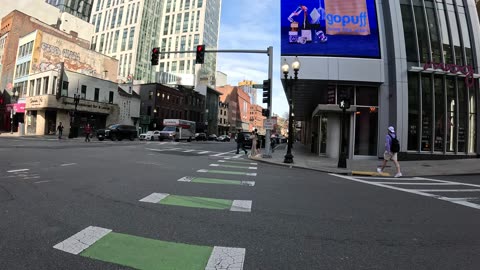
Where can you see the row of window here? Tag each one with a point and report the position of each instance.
(440, 31)
(114, 18)
(441, 114)
(25, 49)
(174, 26)
(165, 113)
(101, 4)
(184, 5)
(22, 69)
(108, 43)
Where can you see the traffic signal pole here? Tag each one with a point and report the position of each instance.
(269, 52)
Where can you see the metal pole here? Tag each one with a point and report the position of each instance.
(268, 150)
(342, 161)
(11, 121)
(289, 156)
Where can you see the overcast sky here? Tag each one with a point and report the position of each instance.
(252, 25)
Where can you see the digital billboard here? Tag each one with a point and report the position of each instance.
(341, 28)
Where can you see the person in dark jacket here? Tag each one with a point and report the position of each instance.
(241, 142)
(60, 130)
(88, 131)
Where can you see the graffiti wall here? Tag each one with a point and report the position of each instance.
(50, 51)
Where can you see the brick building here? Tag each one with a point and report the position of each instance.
(256, 118)
(239, 107)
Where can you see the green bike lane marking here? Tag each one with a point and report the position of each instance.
(216, 181)
(199, 202)
(149, 254)
(227, 172)
(233, 166)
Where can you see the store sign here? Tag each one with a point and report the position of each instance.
(50, 101)
(454, 69)
(269, 123)
(346, 28)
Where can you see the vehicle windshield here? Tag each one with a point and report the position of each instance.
(168, 129)
(149, 132)
(113, 126)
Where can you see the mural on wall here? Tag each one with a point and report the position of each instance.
(50, 51)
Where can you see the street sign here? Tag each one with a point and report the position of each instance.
(268, 124)
(257, 86)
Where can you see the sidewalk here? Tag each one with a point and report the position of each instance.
(306, 160)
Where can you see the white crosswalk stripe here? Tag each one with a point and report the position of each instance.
(417, 185)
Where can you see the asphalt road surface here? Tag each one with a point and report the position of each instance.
(120, 205)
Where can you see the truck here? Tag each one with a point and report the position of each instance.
(177, 129)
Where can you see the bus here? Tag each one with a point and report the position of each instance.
(177, 129)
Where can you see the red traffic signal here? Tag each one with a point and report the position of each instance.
(200, 59)
(155, 53)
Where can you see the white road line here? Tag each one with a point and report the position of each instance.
(19, 170)
(188, 151)
(238, 156)
(214, 165)
(241, 206)
(202, 170)
(41, 182)
(82, 240)
(223, 258)
(248, 183)
(227, 161)
(155, 197)
(185, 179)
(418, 183)
(31, 177)
(221, 154)
(417, 192)
(456, 183)
(387, 178)
(68, 164)
(251, 174)
(203, 152)
(252, 168)
(448, 190)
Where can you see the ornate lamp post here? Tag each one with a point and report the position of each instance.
(289, 83)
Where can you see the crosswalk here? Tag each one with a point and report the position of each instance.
(104, 244)
(460, 193)
(194, 152)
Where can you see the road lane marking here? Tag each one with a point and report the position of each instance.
(233, 166)
(204, 180)
(221, 154)
(68, 164)
(238, 156)
(227, 172)
(413, 191)
(237, 162)
(241, 206)
(18, 170)
(41, 182)
(203, 152)
(82, 240)
(417, 183)
(448, 190)
(199, 202)
(146, 253)
(188, 151)
(224, 258)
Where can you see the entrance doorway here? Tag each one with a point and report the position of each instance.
(329, 137)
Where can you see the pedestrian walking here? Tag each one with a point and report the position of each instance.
(60, 130)
(253, 137)
(392, 147)
(88, 131)
(241, 142)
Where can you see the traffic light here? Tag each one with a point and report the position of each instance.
(265, 112)
(266, 91)
(155, 53)
(200, 54)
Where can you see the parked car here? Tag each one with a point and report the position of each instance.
(223, 138)
(117, 132)
(150, 135)
(212, 137)
(201, 137)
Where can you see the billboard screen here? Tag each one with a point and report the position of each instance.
(341, 28)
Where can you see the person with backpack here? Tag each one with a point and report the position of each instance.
(87, 130)
(392, 147)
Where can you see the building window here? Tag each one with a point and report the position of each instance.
(115, 41)
(150, 95)
(130, 41)
(413, 111)
(124, 39)
(64, 89)
(45, 85)
(149, 110)
(114, 18)
(120, 16)
(84, 92)
(110, 97)
(97, 95)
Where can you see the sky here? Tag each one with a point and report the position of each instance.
(252, 25)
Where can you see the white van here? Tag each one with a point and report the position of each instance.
(177, 129)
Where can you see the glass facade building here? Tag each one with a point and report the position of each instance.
(79, 8)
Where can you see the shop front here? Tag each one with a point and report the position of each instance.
(44, 114)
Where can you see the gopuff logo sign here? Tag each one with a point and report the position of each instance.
(346, 18)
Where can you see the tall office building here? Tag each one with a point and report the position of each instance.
(186, 24)
(127, 31)
(78, 8)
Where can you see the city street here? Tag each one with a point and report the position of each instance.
(198, 205)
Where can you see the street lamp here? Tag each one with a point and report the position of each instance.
(12, 110)
(289, 83)
(76, 100)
